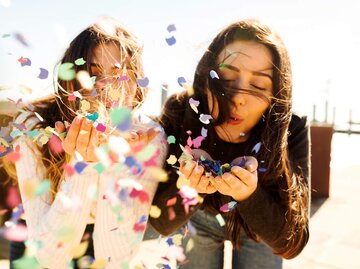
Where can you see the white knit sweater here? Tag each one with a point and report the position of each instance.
(114, 240)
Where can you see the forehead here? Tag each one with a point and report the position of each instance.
(246, 54)
(107, 54)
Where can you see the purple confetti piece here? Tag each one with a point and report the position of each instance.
(204, 132)
(19, 37)
(123, 78)
(181, 81)
(124, 126)
(213, 74)
(228, 207)
(79, 167)
(143, 82)
(204, 118)
(123, 194)
(171, 28)
(43, 73)
(256, 148)
(194, 102)
(262, 169)
(170, 41)
(25, 61)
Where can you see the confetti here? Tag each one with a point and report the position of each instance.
(55, 144)
(79, 250)
(171, 160)
(204, 118)
(171, 139)
(93, 117)
(79, 167)
(85, 80)
(228, 207)
(155, 212)
(197, 141)
(99, 167)
(66, 71)
(256, 148)
(5, 35)
(119, 145)
(143, 82)
(14, 156)
(170, 41)
(17, 233)
(43, 73)
(20, 37)
(13, 197)
(171, 28)
(193, 107)
(101, 127)
(120, 115)
(213, 74)
(220, 219)
(171, 201)
(80, 61)
(181, 81)
(204, 132)
(42, 188)
(38, 116)
(194, 102)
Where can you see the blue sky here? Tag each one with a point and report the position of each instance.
(322, 37)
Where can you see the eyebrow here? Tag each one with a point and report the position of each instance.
(257, 73)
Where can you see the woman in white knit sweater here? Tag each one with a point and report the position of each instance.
(86, 195)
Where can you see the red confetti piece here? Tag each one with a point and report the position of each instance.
(139, 227)
(14, 156)
(171, 202)
(142, 195)
(171, 213)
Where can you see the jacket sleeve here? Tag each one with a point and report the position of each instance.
(286, 233)
(59, 225)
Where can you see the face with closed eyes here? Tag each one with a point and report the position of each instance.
(115, 80)
(246, 68)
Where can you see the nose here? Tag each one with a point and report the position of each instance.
(239, 98)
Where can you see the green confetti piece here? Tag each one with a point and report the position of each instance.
(80, 61)
(120, 115)
(33, 133)
(92, 192)
(27, 261)
(93, 79)
(16, 133)
(171, 139)
(43, 187)
(220, 219)
(66, 71)
(99, 167)
(6, 35)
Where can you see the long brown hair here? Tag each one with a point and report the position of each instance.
(272, 130)
(58, 107)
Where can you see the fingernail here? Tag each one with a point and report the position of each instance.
(58, 124)
(236, 169)
(226, 176)
(77, 120)
(188, 165)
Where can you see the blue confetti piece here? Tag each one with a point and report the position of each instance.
(171, 28)
(204, 132)
(93, 117)
(181, 81)
(26, 63)
(124, 126)
(170, 241)
(143, 219)
(262, 169)
(256, 148)
(170, 41)
(79, 167)
(143, 82)
(130, 161)
(43, 73)
(166, 266)
(123, 194)
(213, 74)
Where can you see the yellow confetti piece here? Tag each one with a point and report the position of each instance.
(157, 173)
(155, 212)
(29, 188)
(43, 139)
(100, 263)
(177, 238)
(171, 160)
(220, 219)
(66, 233)
(188, 88)
(194, 108)
(114, 94)
(79, 251)
(4, 142)
(84, 105)
(189, 245)
(182, 181)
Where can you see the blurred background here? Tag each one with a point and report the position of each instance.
(323, 39)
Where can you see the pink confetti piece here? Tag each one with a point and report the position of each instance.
(69, 170)
(171, 201)
(13, 197)
(14, 156)
(101, 127)
(18, 233)
(228, 206)
(72, 97)
(197, 141)
(189, 141)
(55, 144)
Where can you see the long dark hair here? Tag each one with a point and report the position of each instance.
(272, 130)
(58, 107)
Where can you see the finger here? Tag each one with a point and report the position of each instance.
(244, 175)
(69, 142)
(195, 177)
(93, 144)
(222, 186)
(83, 137)
(233, 182)
(59, 127)
(251, 164)
(187, 168)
